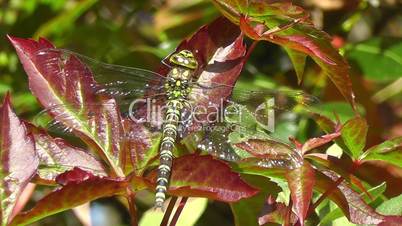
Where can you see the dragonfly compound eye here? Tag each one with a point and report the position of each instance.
(184, 58)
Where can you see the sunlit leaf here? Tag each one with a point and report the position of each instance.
(80, 187)
(354, 134)
(57, 156)
(319, 141)
(341, 109)
(256, 18)
(337, 213)
(63, 86)
(299, 62)
(19, 161)
(198, 180)
(301, 183)
(392, 207)
(359, 211)
(390, 151)
(138, 148)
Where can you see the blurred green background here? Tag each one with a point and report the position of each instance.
(141, 33)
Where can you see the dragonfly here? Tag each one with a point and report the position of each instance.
(212, 116)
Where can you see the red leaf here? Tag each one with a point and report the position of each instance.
(82, 190)
(224, 53)
(323, 161)
(75, 175)
(57, 156)
(19, 161)
(319, 141)
(391, 221)
(270, 153)
(219, 50)
(301, 183)
(360, 212)
(64, 86)
(203, 176)
(323, 184)
(301, 36)
(137, 153)
(315, 43)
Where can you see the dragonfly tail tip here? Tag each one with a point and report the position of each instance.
(159, 206)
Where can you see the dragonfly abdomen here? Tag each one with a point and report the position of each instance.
(169, 134)
(177, 90)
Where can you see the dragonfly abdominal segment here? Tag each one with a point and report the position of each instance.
(177, 90)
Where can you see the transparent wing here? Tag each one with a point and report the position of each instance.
(64, 119)
(260, 150)
(265, 108)
(284, 99)
(244, 131)
(116, 81)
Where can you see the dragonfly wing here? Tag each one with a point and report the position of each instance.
(264, 107)
(119, 82)
(64, 119)
(284, 99)
(260, 150)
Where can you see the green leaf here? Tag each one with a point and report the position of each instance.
(64, 20)
(378, 58)
(390, 151)
(392, 206)
(299, 62)
(247, 211)
(342, 109)
(354, 134)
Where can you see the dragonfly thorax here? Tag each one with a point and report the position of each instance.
(177, 84)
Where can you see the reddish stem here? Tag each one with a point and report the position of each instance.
(179, 209)
(252, 47)
(168, 212)
(132, 207)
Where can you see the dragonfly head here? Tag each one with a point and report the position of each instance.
(184, 58)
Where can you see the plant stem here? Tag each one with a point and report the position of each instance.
(252, 47)
(168, 211)
(132, 207)
(179, 209)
